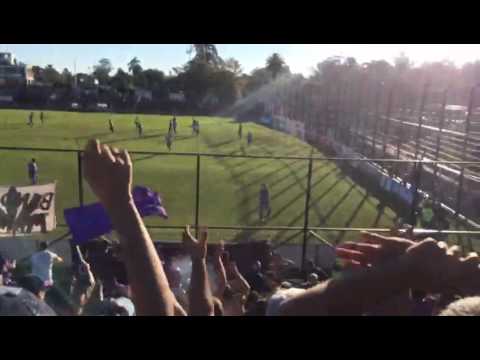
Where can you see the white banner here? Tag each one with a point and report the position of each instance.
(27, 209)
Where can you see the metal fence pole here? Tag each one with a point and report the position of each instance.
(387, 121)
(416, 195)
(80, 177)
(337, 113)
(420, 118)
(377, 116)
(307, 211)
(464, 150)
(197, 196)
(441, 125)
(464, 156)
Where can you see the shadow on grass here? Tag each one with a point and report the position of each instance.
(313, 203)
(352, 217)
(380, 213)
(146, 157)
(246, 216)
(143, 137)
(223, 143)
(266, 176)
(92, 136)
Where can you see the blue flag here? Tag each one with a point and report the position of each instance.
(87, 222)
(91, 221)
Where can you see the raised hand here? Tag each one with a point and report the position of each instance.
(219, 250)
(373, 249)
(108, 171)
(197, 249)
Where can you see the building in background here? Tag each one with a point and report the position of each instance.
(14, 77)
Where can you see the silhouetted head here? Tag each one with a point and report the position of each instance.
(257, 266)
(33, 160)
(43, 245)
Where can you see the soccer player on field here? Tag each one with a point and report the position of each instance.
(240, 131)
(140, 129)
(30, 119)
(168, 141)
(41, 117)
(197, 127)
(249, 138)
(193, 125)
(174, 123)
(265, 209)
(110, 124)
(33, 172)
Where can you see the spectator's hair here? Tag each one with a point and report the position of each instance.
(253, 297)
(33, 159)
(32, 283)
(257, 309)
(469, 306)
(60, 303)
(43, 245)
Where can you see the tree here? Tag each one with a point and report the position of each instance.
(379, 69)
(37, 73)
(275, 64)
(134, 66)
(402, 63)
(67, 77)
(258, 78)
(233, 66)
(121, 81)
(224, 87)
(51, 75)
(206, 53)
(102, 70)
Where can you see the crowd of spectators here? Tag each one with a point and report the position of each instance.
(378, 275)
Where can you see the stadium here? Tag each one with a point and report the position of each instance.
(275, 165)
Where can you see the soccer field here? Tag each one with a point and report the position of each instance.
(228, 186)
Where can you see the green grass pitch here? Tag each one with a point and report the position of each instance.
(228, 186)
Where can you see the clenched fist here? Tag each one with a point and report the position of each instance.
(108, 171)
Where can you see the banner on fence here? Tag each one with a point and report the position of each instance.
(266, 120)
(27, 209)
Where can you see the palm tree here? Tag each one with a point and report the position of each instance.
(206, 53)
(275, 64)
(134, 66)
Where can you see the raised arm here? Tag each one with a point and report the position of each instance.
(219, 268)
(200, 297)
(238, 282)
(109, 174)
(424, 266)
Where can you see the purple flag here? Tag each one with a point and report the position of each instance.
(91, 221)
(148, 202)
(87, 222)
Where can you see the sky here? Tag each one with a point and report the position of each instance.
(300, 57)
